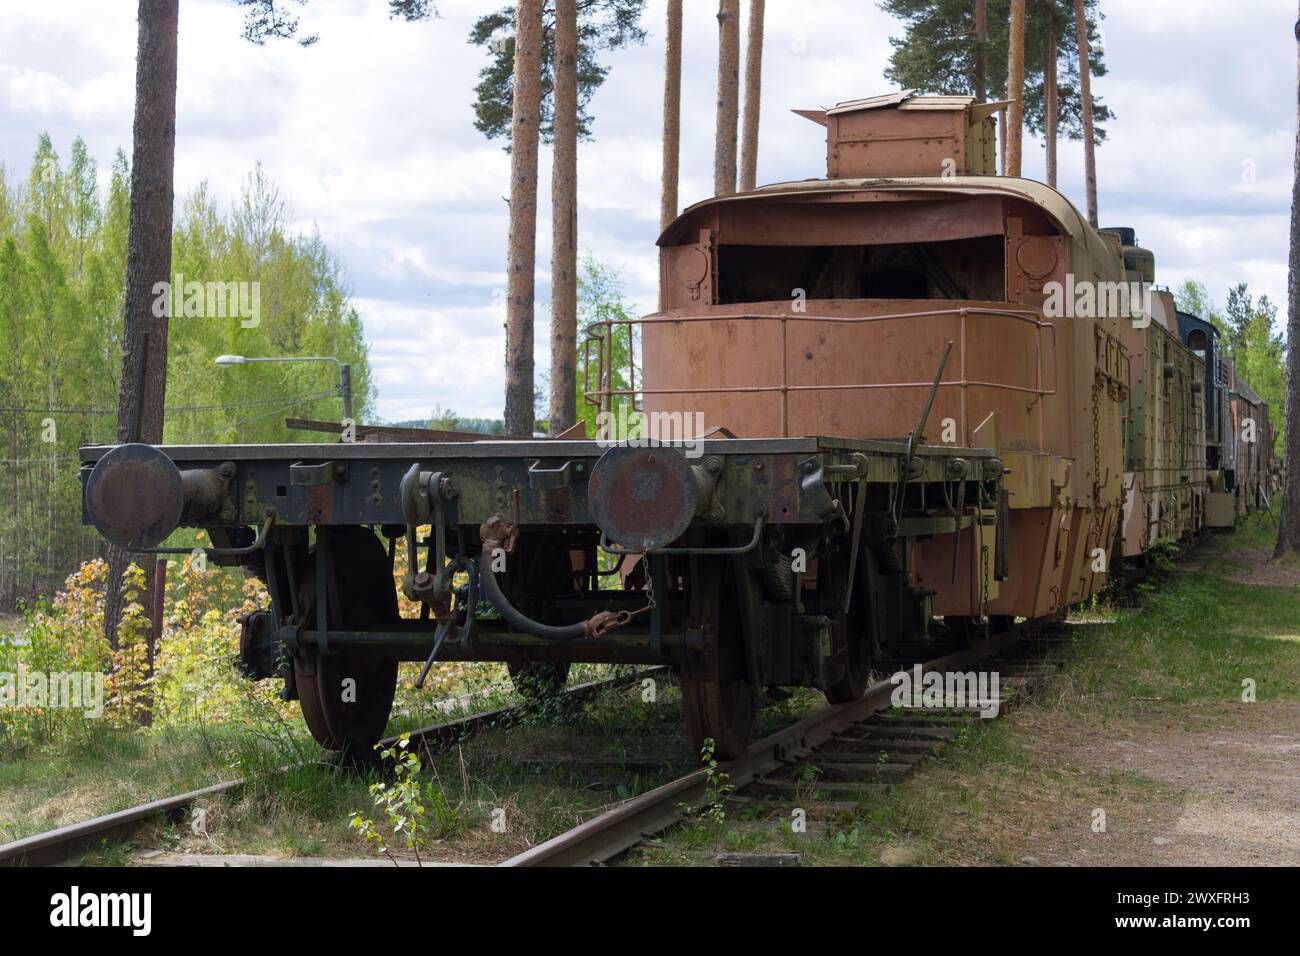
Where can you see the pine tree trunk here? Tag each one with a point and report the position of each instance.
(1085, 94)
(1016, 86)
(1050, 104)
(519, 412)
(981, 51)
(753, 96)
(724, 151)
(564, 221)
(1288, 534)
(672, 114)
(143, 387)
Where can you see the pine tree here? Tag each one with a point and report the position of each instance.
(939, 53)
(728, 115)
(1088, 119)
(753, 96)
(143, 386)
(672, 137)
(603, 25)
(1015, 86)
(522, 247)
(564, 220)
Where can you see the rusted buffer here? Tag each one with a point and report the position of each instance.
(873, 408)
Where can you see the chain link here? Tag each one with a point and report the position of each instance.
(626, 617)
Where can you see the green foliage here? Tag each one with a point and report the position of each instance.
(1192, 297)
(413, 9)
(716, 788)
(602, 25)
(400, 800)
(406, 804)
(1163, 552)
(600, 300)
(192, 680)
(937, 55)
(444, 419)
(263, 21)
(63, 243)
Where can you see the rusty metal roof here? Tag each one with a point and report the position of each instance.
(904, 100)
(1087, 239)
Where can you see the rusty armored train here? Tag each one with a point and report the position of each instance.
(884, 437)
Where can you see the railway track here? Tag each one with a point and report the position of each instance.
(68, 842)
(830, 759)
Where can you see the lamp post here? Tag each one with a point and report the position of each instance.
(345, 371)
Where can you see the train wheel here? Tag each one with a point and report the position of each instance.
(716, 697)
(539, 680)
(346, 698)
(346, 695)
(850, 642)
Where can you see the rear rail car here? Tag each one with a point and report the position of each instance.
(768, 562)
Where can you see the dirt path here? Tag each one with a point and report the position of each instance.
(1228, 794)
(1227, 778)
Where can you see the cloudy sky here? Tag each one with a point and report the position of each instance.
(369, 136)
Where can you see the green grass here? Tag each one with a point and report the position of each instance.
(108, 769)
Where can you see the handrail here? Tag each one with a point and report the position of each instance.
(602, 397)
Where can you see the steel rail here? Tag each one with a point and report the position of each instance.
(604, 837)
(67, 842)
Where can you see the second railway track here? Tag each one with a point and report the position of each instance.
(67, 843)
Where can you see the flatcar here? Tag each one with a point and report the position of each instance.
(903, 407)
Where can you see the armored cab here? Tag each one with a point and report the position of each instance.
(825, 307)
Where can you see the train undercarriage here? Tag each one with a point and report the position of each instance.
(750, 566)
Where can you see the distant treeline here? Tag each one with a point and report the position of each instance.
(244, 283)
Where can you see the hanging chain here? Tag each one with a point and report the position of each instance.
(1097, 525)
(619, 619)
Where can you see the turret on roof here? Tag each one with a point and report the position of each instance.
(903, 134)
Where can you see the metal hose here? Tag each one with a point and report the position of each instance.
(496, 534)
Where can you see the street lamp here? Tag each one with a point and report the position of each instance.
(345, 371)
